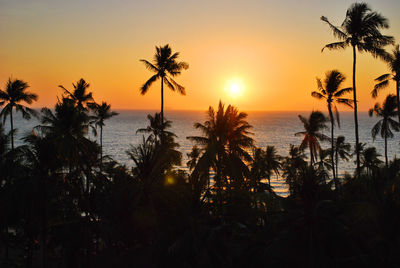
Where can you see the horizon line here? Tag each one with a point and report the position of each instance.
(205, 110)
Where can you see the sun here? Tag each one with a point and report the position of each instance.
(234, 87)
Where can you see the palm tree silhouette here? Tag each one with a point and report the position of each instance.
(312, 135)
(292, 166)
(331, 92)
(225, 141)
(80, 95)
(263, 165)
(272, 162)
(360, 30)
(156, 129)
(383, 81)
(67, 126)
(369, 159)
(342, 150)
(101, 112)
(165, 65)
(386, 124)
(14, 94)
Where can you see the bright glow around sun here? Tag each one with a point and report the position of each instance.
(234, 87)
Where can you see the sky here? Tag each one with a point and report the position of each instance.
(270, 49)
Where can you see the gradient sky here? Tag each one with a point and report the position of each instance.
(273, 47)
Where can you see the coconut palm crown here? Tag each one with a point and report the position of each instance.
(80, 95)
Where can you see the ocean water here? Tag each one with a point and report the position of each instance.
(269, 128)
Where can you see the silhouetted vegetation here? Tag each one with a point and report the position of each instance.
(361, 30)
(63, 203)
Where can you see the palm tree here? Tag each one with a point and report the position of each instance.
(360, 30)
(80, 95)
(14, 94)
(369, 158)
(257, 169)
(225, 141)
(165, 65)
(386, 124)
(292, 166)
(342, 150)
(331, 92)
(102, 112)
(272, 162)
(156, 129)
(312, 135)
(67, 126)
(383, 81)
(263, 165)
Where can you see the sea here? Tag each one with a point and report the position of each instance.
(269, 128)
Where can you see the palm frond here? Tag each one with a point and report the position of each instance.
(383, 77)
(180, 88)
(146, 86)
(317, 95)
(376, 129)
(169, 84)
(378, 87)
(343, 91)
(150, 66)
(336, 31)
(347, 102)
(336, 45)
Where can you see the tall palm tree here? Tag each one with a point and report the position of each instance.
(383, 81)
(67, 126)
(80, 95)
(331, 92)
(165, 66)
(225, 141)
(312, 135)
(386, 124)
(101, 112)
(360, 30)
(12, 96)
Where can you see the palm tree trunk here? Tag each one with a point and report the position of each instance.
(12, 129)
(386, 154)
(398, 98)
(332, 145)
(355, 110)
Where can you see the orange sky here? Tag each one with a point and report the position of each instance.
(273, 47)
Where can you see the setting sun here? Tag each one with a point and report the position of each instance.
(234, 88)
